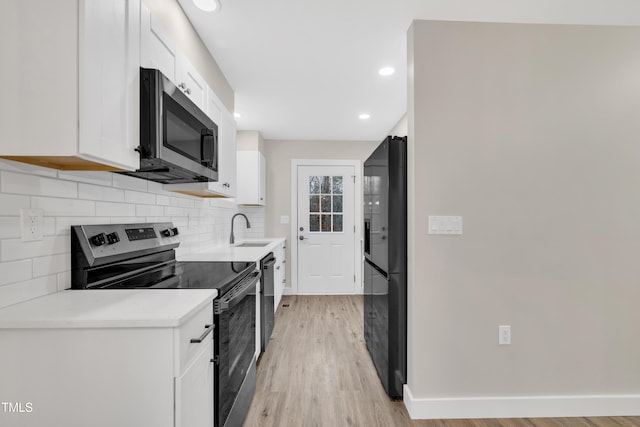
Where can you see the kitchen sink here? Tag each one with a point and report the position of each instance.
(252, 244)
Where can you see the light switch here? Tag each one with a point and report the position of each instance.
(448, 225)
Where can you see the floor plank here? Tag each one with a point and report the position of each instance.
(317, 372)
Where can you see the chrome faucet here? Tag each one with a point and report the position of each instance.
(232, 239)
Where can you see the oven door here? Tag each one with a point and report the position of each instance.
(235, 343)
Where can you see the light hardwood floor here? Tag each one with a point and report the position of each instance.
(317, 372)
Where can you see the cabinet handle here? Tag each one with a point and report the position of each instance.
(278, 268)
(284, 280)
(203, 336)
(226, 184)
(182, 85)
(188, 91)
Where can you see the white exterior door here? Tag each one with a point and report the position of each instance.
(326, 230)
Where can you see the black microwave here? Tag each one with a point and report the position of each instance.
(178, 141)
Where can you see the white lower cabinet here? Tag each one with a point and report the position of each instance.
(280, 276)
(194, 391)
(110, 376)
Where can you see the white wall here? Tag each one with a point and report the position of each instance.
(31, 269)
(530, 132)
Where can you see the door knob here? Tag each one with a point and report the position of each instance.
(301, 237)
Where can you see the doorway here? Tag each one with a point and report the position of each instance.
(325, 232)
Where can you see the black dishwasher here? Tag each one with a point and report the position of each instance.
(267, 298)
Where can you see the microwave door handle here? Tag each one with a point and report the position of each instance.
(206, 154)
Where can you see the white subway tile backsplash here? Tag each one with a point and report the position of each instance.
(15, 249)
(19, 183)
(11, 204)
(173, 211)
(96, 178)
(64, 280)
(20, 167)
(139, 197)
(185, 203)
(31, 269)
(64, 223)
(44, 266)
(149, 210)
(166, 200)
(102, 193)
(64, 207)
(9, 227)
(22, 291)
(128, 220)
(129, 182)
(115, 209)
(155, 187)
(17, 271)
(48, 226)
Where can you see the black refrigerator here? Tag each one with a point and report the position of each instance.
(385, 262)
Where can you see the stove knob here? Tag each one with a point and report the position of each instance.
(98, 239)
(170, 232)
(113, 238)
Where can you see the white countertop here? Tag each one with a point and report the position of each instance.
(234, 253)
(105, 308)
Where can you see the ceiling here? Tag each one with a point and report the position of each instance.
(305, 70)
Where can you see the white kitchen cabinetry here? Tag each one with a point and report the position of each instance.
(159, 51)
(251, 178)
(126, 375)
(226, 184)
(194, 391)
(191, 82)
(280, 276)
(71, 83)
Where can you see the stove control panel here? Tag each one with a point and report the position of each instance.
(101, 242)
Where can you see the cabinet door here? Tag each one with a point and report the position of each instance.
(191, 82)
(109, 62)
(251, 178)
(157, 49)
(226, 184)
(194, 391)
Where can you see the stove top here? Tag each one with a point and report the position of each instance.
(142, 256)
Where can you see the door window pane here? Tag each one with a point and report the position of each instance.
(325, 187)
(337, 223)
(314, 222)
(314, 185)
(337, 185)
(314, 203)
(326, 223)
(337, 203)
(326, 203)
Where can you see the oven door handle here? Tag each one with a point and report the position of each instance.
(236, 294)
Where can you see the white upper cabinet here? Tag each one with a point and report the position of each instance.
(71, 97)
(251, 178)
(157, 49)
(191, 83)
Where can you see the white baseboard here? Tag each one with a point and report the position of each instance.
(522, 407)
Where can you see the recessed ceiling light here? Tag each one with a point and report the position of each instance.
(236, 115)
(208, 5)
(364, 116)
(386, 71)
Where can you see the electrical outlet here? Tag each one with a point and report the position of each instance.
(504, 334)
(284, 219)
(31, 224)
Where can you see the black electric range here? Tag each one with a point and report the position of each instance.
(142, 256)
